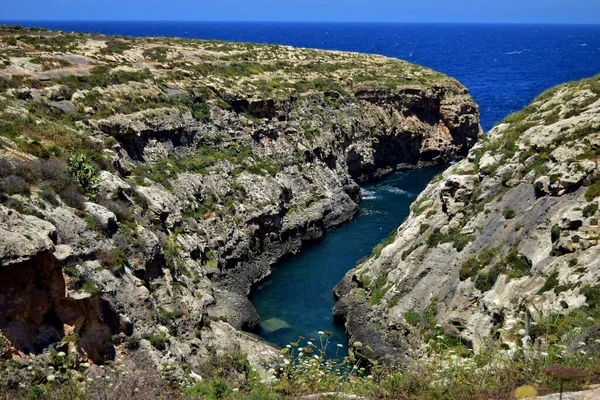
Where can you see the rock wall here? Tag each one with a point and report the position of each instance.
(500, 241)
(192, 198)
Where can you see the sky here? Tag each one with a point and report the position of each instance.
(478, 11)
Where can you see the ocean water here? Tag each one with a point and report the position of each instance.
(504, 66)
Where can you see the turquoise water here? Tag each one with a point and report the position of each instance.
(297, 299)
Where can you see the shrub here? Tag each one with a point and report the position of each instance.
(91, 288)
(592, 192)
(157, 340)
(551, 283)
(214, 389)
(590, 210)
(412, 317)
(114, 260)
(84, 172)
(555, 233)
(592, 295)
(508, 213)
(50, 175)
(458, 239)
(387, 241)
(13, 184)
(486, 281)
(518, 264)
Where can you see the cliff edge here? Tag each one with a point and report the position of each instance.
(146, 184)
(501, 249)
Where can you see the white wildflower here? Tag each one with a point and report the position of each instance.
(51, 378)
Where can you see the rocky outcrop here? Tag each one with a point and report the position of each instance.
(201, 168)
(499, 242)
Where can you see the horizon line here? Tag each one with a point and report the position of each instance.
(2, 21)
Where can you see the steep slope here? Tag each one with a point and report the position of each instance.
(147, 183)
(502, 241)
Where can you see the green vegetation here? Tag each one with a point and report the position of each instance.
(458, 239)
(451, 370)
(101, 77)
(50, 177)
(417, 207)
(508, 213)
(473, 265)
(114, 260)
(379, 291)
(514, 265)
(506, 143)
(115, 46)
(592, 192)
(84, 173)
(158, 340)
(590, 210)
(166, 169)
(386, 242)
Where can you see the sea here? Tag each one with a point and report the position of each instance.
(503, 66)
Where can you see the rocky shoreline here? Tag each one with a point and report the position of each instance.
(147, 184)
(504, 243)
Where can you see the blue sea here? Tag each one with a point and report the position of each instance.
(504, 66)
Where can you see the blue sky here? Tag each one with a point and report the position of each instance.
(536, 11)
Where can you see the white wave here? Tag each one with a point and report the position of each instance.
(512, 53)
(396, 190)
(367, 194)
(370, 197)
(370, 212)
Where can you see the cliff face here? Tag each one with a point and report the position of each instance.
(500, 242)
(146, 184)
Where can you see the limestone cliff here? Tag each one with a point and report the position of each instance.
(499, 242)
(146, 184)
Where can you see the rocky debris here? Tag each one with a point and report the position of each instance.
(23, 237)
(104, 218)
(509, 234)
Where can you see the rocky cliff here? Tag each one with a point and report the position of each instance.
(147, 184)
(502, 244)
